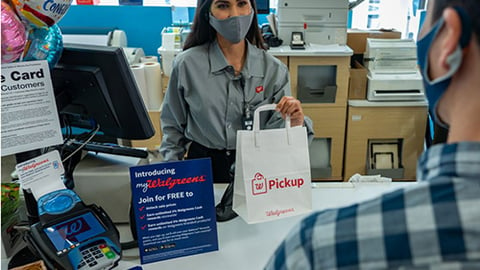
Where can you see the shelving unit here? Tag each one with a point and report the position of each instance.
(343, 137)
(405, 121)
(316, 67)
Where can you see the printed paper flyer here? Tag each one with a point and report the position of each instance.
(29, 112)
(174, 209)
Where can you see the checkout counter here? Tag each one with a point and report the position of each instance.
(241, 246)
(244, 246)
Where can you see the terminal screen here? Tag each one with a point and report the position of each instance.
(70, 233)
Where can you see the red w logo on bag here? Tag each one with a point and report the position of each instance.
(259, 184)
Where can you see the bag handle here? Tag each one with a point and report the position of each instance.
(256, 121)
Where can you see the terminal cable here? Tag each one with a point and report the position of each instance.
(83, 144)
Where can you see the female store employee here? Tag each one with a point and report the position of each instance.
(219, 79)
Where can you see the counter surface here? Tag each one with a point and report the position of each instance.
(313, 50)
(244, 246)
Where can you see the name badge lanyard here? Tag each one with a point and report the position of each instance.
(247, 117)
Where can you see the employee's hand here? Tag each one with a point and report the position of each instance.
(291, 106)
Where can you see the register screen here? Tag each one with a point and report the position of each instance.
(66, 235)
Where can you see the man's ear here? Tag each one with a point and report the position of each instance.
(450, 36)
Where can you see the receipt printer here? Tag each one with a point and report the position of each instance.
(71, 235)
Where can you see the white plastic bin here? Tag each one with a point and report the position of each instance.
(167, 57)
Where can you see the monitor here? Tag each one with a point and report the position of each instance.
(263, 6)
(93, 86)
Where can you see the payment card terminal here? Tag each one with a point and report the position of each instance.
(72, 235)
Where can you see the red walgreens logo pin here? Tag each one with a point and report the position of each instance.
(259, 89)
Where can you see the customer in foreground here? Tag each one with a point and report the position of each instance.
(435, 224)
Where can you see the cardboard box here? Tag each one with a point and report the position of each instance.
(357, 88)
(165, 80)
(329, 125)
(367, 121)
(357, 39)
(319, 151)
(299, 67)
(154, 142)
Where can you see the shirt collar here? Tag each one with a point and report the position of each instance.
(450, 160)
(254, 63)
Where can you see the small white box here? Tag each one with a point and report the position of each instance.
(166, 57)
(391, 66)
(172, 38)
(168, 40)
(390, 49)
(395, 87)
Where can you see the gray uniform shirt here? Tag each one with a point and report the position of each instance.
(205, 101)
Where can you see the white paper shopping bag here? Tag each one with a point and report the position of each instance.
(272, 172)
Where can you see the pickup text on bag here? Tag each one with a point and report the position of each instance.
(260, 184)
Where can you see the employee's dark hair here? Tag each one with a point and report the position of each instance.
(472, 7)
(202, 32)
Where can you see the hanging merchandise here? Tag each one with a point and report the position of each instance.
(41, 13)
(44, 44)
(13, 35)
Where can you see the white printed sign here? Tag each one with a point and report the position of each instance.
(41, 174)
(29, 113)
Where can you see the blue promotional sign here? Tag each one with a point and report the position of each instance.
(174, 209)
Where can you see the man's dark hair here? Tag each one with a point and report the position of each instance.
(472, 7)
(202, 32)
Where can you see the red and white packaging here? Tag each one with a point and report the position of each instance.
(272, 172)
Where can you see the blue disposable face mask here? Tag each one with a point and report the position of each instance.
(434, 89)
